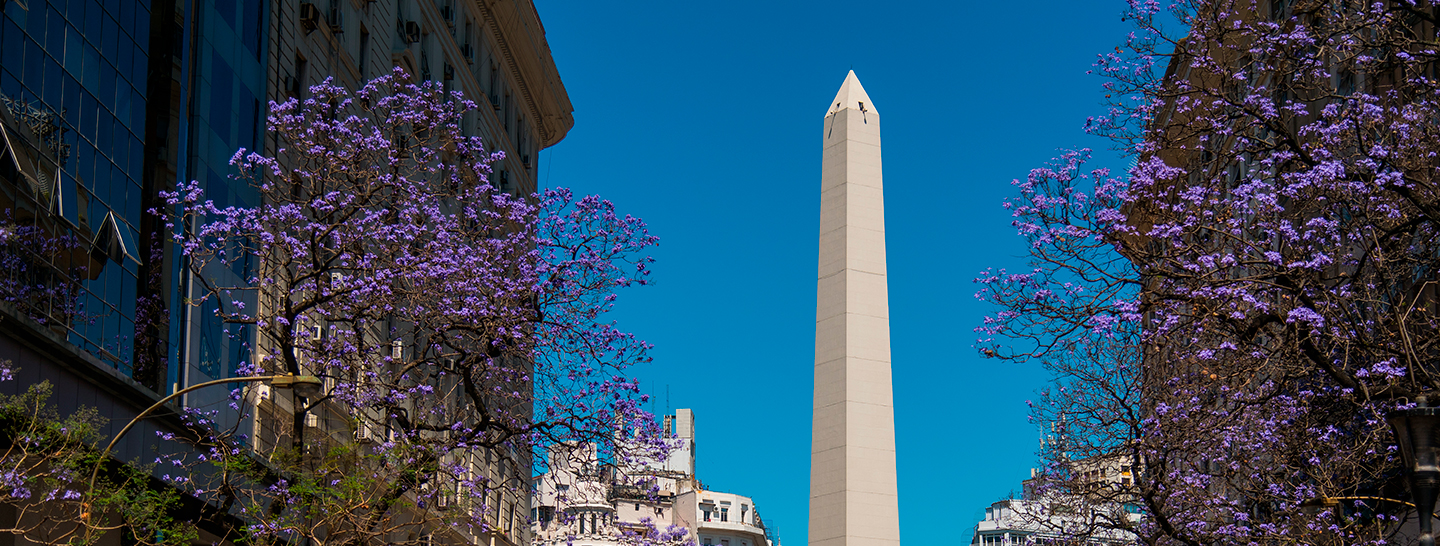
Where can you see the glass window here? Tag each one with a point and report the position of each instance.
(137, 113)
(73, 52)
(110, 38)
(123, 53)
(88, 109)
(92, 69)
(142, 23)
(122, 104)
(138, 59)
(34, 74)
(107, 86)
(9, 84)
(12, 48)
(19, 16)
(53, 88)
(52, 34)
(35, 19)
(251, 29)
(126, 16)
(94, 21)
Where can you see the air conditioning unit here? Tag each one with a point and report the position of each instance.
(412, 32)
(316, 332)
(312, 420)
(468, 52)
(309, 16)
(337, 17)
(364, 434)
(397, 349)
(495, 101)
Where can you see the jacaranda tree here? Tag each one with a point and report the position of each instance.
(459, 329)
(1234, 315)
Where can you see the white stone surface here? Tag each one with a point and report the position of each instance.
(853, 497)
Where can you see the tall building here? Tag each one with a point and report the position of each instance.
(106, 103)
(853, 495)
(493, 52)
(584, 500)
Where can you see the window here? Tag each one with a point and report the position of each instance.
(724, 542)
(744, 511)
(707, 514)
(724, 513)
(708, 542)
(297, 86)
(364, 56)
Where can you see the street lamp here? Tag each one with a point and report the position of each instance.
(307, 386)
(1416, 432)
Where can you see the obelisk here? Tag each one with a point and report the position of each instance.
(853, 500)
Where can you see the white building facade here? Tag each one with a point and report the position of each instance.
(582, 501)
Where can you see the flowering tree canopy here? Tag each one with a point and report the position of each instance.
(1236, 313)
(457, 328)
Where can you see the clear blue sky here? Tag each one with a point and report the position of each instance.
(705, 119)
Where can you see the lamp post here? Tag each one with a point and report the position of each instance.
(307, 386)
(1416, 432)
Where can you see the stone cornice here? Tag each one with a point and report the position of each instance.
(521, 38)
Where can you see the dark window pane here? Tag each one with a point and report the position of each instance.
(253, 12)
(249, 109)
(107, 85)
(137, 70)
(104, 132)
(12, 49)
(72, 97)
(122, 105)
(92, 69)
(94, 21)
(34, 75)
(110, 39)
(54, 37)
(142, 25)
(19, 16)
(88, 108)
(37, 22)
(226, 9)
(124, 53)
(126, 16)
(54, 75)
(137, 114)
(85, 166)
(221, 88)
(9, 84)
(137, 154)
(74, 52)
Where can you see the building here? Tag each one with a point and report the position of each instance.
(106, 103)
(583, 500)
(1043, 516)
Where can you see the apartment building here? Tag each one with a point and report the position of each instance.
(582, 500)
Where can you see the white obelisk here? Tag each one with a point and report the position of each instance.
(853, 500)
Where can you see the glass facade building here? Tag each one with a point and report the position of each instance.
(73, 75)
(106, 104)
